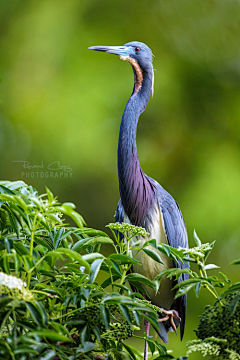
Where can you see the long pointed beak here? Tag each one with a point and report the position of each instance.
(117, 50)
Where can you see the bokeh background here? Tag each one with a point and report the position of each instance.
(62, 104)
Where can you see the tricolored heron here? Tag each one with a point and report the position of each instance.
(143, 201)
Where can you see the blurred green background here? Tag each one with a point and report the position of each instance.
(62, 103)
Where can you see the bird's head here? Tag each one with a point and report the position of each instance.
(138, 54)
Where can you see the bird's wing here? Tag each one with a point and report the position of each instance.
(176, 234)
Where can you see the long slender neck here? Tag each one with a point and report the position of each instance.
(136, 189)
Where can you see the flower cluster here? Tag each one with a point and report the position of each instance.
(198, 251)
(206, 348)
(11, 282)
(131, 229)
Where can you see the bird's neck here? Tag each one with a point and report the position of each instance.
(136, 189)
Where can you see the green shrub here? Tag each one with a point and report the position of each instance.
(52, 305)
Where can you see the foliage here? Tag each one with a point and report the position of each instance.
(218, 330)
(51, 306)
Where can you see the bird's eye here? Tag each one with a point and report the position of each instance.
(137, 49)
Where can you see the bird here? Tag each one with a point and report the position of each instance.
(143, 201)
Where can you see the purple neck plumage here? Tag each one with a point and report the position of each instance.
(136, 189)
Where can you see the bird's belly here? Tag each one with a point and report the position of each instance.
(150, 268)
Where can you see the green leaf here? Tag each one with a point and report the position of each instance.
(44, 242)
(235, 262)
(130, 350)
(105, 315)
(211, 266)
(161, 349)
(152, 321)
(34, 313)
(91, 257)
(42, 312)
(225, 278)
(151, 346)
(233, 304)
(197, 289)
(100, 240)
(83, 335)
(191, 281)
(47, 355)
(6, 265)
(49, 195)
(20, 248)
(152, 242)
(141, 288)
(184, 290)
(5, 300)
(231, 289)
(196, 239)
(108, 281)
(79, 245)
(25, 349)
(58, 237)
(92, 232)
(115, 266)
(49, 334)
(124, 259)
(95, 267)
(125, 312)
(74, 255)
(88, 346)
(140, 278)
(154, 255)
(4, 189)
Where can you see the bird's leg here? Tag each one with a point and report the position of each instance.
(170, 314)
(147, 327)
